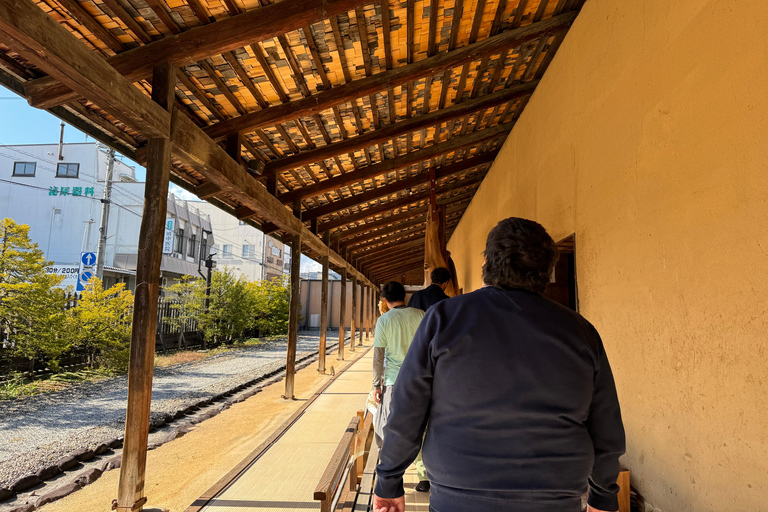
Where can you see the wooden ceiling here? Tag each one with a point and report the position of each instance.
(338, 107)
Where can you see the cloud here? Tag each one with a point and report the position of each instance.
(181, 193)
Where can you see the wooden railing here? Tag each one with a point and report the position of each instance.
(345, 470)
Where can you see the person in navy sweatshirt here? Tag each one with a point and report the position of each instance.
(434, 293)
(514, 391)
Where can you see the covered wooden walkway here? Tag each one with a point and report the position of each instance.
(357, 131)
(283, 475)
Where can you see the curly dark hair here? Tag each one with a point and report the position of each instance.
(519, 253)
(440, 275)
(393, 291)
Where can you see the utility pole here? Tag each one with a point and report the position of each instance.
(101, 250)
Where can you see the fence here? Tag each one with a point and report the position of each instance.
(168, 338)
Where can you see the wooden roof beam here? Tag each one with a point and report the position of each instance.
(398, 186)
(397, 236)
(400, 227)
(403, 243)
(200, 43)
(192, 146)
(411, 220)
(391, 78)
(387, 238)
(396, 163)
(48, 45)
(412, 217)
(392, 131)
(395, 253)
(401, 265)
(404, 201)
(397, 264)
(400, 271)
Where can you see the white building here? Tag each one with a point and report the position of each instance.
(240, 247)
(57, 191)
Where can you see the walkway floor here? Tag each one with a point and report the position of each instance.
(285, 476)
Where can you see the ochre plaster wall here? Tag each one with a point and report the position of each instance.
(648, 139)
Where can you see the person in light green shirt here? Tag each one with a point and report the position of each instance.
(395, 330)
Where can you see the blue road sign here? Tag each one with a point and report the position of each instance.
(83, 279)
(88, 259)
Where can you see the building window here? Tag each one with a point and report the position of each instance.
(227, 250)
(246, 251)
(191, 248)
(68, 170)
(276, 252)
(203, 248)
(24, 168)
(179, 248)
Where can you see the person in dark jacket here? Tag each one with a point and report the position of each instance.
(514, 391)
(434, 293)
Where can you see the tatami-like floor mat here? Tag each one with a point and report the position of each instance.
(285, 476)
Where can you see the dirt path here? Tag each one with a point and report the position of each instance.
(40, 430)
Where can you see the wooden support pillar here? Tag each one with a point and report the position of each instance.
(362, 316)
(293, 315)
(324, 306)
(342, 313)
(130, 493)
(370, 312)
(353, 323)
(366, 313)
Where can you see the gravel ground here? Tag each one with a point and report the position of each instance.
(38, 431)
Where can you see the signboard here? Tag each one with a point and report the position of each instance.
(168, 240)
(65, 191)
(70, 273)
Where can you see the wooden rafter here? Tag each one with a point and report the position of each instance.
(396, 163)
(44, 42)
(397, 203)
(398, 129)
(202, 42)
(392, 78)
(397, 186)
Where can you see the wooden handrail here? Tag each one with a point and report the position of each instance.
(347, 464)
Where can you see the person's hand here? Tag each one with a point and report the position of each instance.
(593, 509)
(377, 395)
(388, 505)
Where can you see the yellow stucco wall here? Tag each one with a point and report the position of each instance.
(648, 138)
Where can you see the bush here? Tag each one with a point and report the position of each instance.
(115, 359)
(101, 322)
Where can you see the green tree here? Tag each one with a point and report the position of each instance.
(272, 305)
(31, 307)
(188, 296)
(231, 307)
(101, 322)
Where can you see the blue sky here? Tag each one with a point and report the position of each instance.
(22, 124)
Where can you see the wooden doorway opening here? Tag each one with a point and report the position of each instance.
(562, 284)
